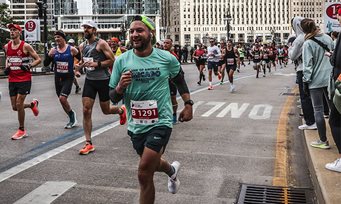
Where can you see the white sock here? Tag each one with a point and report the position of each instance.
(210, 83)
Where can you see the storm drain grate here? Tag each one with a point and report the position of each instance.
(289, 94)
(255, 194)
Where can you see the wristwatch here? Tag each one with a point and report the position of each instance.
(189, 102)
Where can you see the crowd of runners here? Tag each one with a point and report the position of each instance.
(147, 80)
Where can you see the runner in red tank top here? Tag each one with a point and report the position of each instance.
(18, 69)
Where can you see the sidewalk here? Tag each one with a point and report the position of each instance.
(327, 183)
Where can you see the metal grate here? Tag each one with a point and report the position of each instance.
(289, 94)
(255, 194)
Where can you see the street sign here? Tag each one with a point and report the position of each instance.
(32, 30)
(329, 17)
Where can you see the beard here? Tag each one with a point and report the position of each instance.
(87, 35)
(142, 44)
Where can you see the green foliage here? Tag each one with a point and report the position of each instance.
(4, 20)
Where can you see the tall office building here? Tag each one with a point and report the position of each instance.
(22, 10)
(191, 21)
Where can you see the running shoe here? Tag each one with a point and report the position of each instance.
(221, 83)
(219, 76)
(334, 166)
(173, 181)
(307, 127)
(232, 88)
(87, 149)
(210, 87)
(238, 70)
(72, 122)
(123, 116)
(199, 83)
(34, 107)
(320, 144)
(19, 135)
(78, 89)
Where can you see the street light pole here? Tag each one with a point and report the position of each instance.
(228, 18)
(45, 26)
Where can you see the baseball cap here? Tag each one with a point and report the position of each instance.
(90, 24)
(16, 26)
(71, 41)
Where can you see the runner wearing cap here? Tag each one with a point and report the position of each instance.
(71, 42)
(63, 58)
(96, 58)
(140, 76)
(116, 48)
(18, 68)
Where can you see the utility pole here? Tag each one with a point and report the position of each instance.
(42, 7)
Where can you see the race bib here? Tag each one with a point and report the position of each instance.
(62, 67)
(230, 61)
(265, 56)
(14, 63)
(144, 112)
(88, 59)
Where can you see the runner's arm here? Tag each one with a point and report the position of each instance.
(49, 57)
(33, 54)
(104, 46)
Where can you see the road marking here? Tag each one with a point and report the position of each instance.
(281, 162)
(216, 105)
(46, 193)
(235, 111)
(265, 115)
(21, 167)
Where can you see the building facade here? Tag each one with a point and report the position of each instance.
(188, 22)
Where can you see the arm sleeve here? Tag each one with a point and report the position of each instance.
(180, 82)
(174, 66)
(307, 62)
(114, 79)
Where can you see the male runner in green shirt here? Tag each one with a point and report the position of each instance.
(140, 76)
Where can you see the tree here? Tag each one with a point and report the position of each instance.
(5, 19)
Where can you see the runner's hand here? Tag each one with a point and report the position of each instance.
(186, 114)
(7, 71)
(125, 80)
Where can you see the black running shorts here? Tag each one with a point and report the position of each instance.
(92, 87)
(212, 65)
(63, 85)
(22, 88)
(230, 67)
(155, 139)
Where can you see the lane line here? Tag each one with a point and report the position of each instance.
(46, 193)
(21, 167)
(281, 162)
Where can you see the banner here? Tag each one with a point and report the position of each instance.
(329, 17)
(32, 30)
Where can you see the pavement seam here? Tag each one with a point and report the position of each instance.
(281, 162)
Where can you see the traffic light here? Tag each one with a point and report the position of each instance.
(40, 8)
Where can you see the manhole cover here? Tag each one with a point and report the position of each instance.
(255, 194)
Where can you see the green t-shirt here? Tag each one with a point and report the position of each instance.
(241, 52)
(150, 76)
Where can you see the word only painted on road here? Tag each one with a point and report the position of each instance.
(234, 110)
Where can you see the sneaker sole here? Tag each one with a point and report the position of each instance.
(18, 138)
(333, 169)
(85, 153)
(320, 147)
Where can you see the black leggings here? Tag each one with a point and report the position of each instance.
(335, 125)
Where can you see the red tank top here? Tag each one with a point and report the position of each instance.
(16, 58)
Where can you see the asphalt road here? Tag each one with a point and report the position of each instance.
(231, 140)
